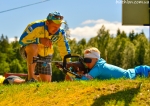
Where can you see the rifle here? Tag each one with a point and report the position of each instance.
(76, 67)
(64, 66)
(46, 60)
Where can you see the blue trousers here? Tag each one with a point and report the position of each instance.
(142, 70)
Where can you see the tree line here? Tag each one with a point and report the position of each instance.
(126, 51)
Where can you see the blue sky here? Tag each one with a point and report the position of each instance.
(84, 17)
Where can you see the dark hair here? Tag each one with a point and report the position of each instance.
(6, 82)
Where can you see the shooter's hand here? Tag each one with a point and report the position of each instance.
(45, 42)
(76, 66)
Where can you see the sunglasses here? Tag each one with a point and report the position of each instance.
(87, 60)
(54, 17)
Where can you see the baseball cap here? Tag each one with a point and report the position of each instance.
(56, 17)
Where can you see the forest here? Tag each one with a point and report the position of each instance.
(126, 51)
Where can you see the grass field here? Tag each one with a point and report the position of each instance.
(118, 92)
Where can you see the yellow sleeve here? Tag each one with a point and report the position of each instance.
(29, 36)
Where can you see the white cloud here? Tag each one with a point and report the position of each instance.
(12, 39)
(89, 28)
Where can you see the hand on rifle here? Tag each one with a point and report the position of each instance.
(77, 67)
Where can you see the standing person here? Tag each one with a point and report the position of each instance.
(38, 39)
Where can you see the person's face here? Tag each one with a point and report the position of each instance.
(52, 27)
(91, 64)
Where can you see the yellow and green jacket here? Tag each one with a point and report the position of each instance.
(39, 29)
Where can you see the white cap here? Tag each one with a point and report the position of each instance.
(93, 54)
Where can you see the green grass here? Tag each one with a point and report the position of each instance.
(118, 92)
